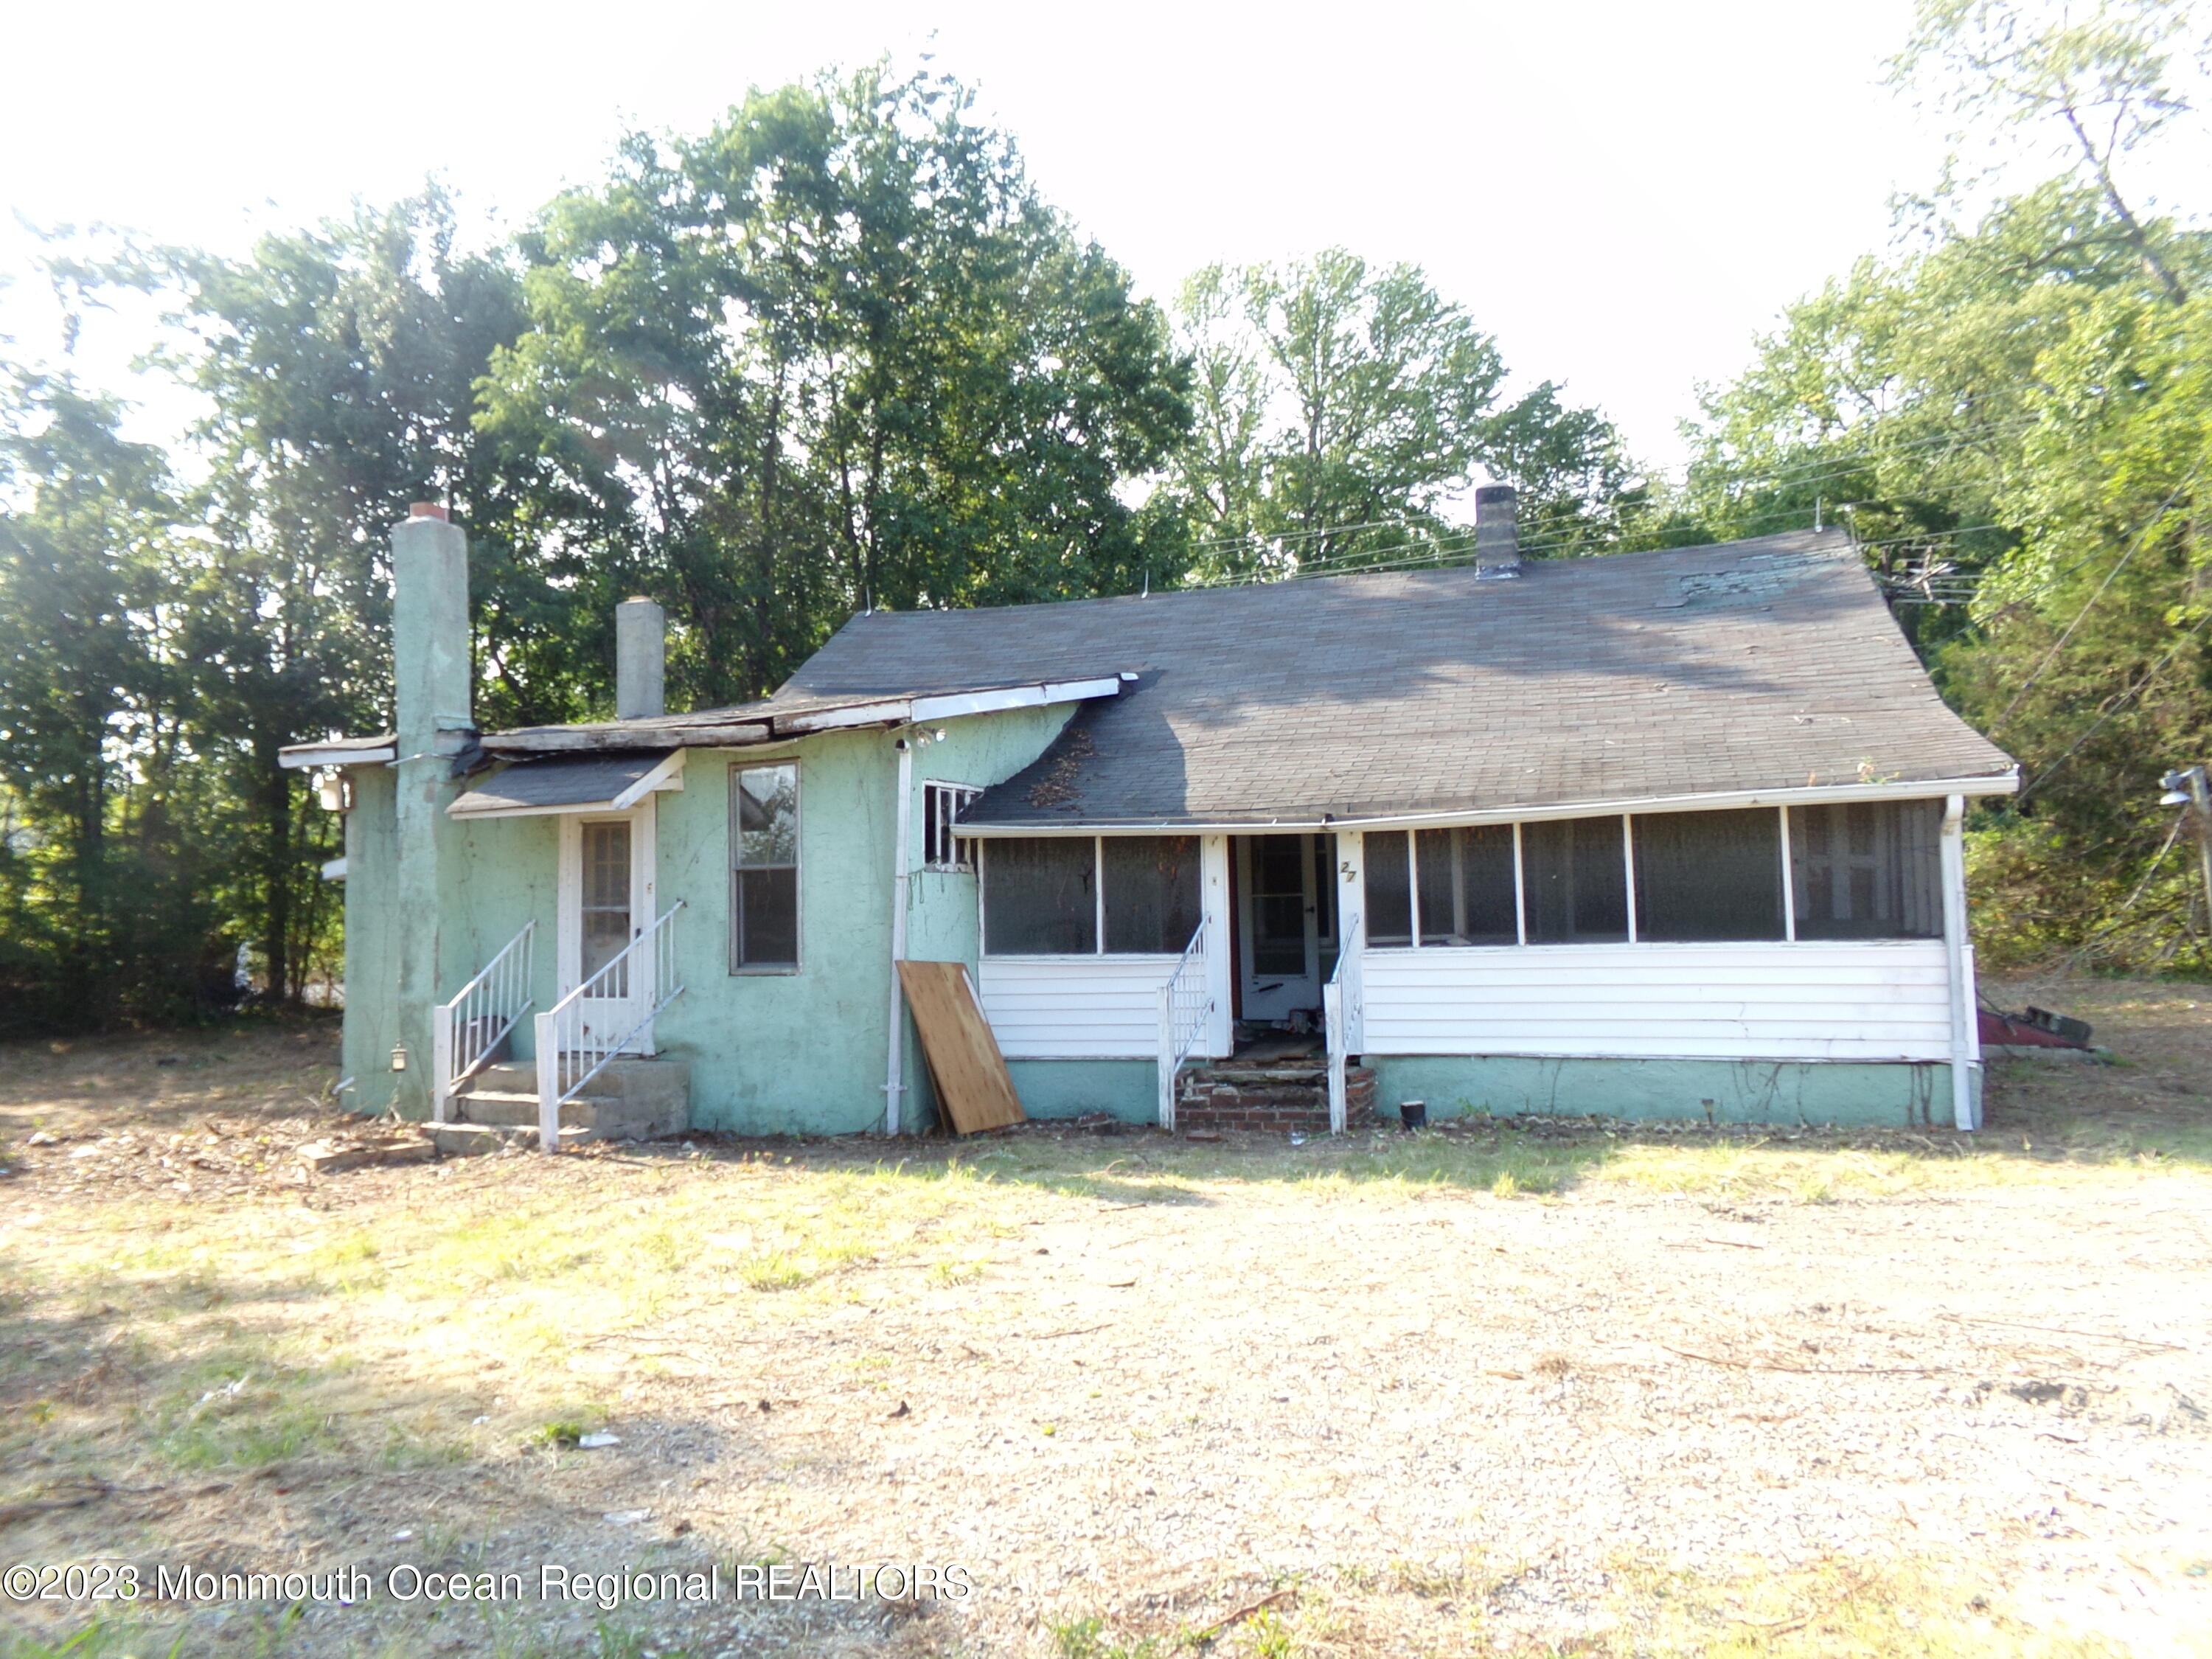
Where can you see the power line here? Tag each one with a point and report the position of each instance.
(2142, 537)
(2103, 719)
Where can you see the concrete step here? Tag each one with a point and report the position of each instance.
(631, 1100)
(622, 1079)
(1230, 1072)
(475, 1139)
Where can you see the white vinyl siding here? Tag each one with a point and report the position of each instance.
(1886, 1000)
(1098, 1007)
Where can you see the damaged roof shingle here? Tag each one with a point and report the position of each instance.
(1759, 665)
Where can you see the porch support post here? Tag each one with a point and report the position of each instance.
(546, 1028)
(441, 1060)
(1220, 1039)
(1343, 998)
(1966, 1045)
(1166, 1066)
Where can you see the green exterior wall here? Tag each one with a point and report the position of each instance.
(1893, 1094)
(804, 1053)
(1127, 1088)
(799, 1054)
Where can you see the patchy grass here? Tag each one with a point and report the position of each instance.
(380, 1332)
(1838, 1609)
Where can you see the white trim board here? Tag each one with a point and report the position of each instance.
(1801, 795)
(305, 757)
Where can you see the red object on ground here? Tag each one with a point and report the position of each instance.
(1997, 1030)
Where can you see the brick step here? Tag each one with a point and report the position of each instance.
(1205, 1101)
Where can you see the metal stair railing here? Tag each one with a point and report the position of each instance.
(1186, 1004)
(571, 1051)
(466, 1032)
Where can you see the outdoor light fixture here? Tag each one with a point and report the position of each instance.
(398, 1056)
(2187, 787)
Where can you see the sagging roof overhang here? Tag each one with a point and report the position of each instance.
(763, 722)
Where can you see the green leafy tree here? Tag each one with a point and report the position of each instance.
(836, 352)
(2014, 412)
(1342, 411)
(339, 367)
(102, 920)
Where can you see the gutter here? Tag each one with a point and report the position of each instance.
(2003, 783)
(894, 1068)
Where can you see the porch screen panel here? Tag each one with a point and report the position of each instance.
(1151, 892)
(1467, 885)
(764, 877)
(1868, 870)
(1709, 876)
(1390, 898)
(1577, 881)
(1040, 896)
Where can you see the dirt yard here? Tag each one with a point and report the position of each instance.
(1493, 1388)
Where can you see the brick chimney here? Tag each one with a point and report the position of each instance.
(641, 660)
(1497, 537)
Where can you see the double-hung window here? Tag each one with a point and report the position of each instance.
(764, 868)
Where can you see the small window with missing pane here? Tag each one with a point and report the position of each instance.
(941, 806)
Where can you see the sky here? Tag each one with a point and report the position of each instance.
(1625, 193)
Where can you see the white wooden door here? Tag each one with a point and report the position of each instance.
(1279, 926)
(606, 904)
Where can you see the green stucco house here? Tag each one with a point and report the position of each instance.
(1658, 833)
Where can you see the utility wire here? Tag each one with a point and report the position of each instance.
(2103, 719)
(2142, 537)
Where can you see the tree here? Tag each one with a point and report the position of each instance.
(2015, 407)
(1340, 410)
(2099, 77)
(86, 703)
(339, 364)
(836, 352)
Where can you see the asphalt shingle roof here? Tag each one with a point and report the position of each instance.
(1766, 664)
(568, 781)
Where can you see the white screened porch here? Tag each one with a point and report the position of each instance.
(1857, 949)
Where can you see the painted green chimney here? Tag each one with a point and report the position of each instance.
(431, 716)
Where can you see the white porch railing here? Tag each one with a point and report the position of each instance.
(1186, 1006)
(1343, 1012)
(576, 1042)
(466, 1032)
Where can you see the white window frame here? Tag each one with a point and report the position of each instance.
(941, 805)
(738, 769)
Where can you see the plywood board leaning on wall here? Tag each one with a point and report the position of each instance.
(965, 1062)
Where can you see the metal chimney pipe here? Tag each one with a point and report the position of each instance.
(641, 660)
(1496, 535)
